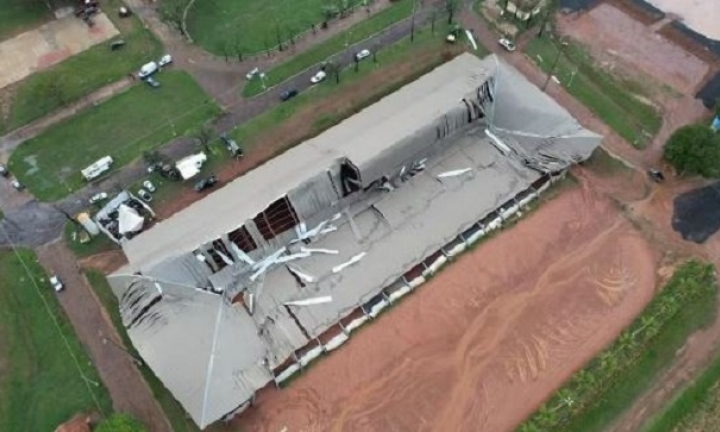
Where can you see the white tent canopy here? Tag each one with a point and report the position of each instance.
(129, 220)
(190, 166)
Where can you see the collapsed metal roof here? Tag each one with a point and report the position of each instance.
(433, 158)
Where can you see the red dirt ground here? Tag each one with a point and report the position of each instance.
(482, 344)
(615, 37)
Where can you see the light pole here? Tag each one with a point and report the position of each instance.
(262, 80)
(563, 45)
(105, 341)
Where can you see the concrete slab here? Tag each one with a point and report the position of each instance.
(50, 44)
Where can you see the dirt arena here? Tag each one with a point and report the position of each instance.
(482, 344)
(625, 45)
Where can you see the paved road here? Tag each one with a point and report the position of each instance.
(127, 387)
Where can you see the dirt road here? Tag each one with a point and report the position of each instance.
(127, 387)
(481, 345)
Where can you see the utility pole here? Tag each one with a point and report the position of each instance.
(561, 49)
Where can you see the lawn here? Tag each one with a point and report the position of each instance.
(41, 384)
(615, 102)
(173, 410)
(252, 26)
(320, 52)
(21, 15)
(123, 127)
(598, 394)
(45, 91)
(99, 243)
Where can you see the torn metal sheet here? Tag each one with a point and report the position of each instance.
(454, 173)
(310, 301)
(355, 259)
(322, 251)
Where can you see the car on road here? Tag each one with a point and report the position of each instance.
(362, 54)
(205, 183)
(507, 44)
(98, 197)
(288, 94)
(144, 195)
(56, 283)
(165, 60)
(17, 185)
(4, 171)
(656, 175)
(147, 184)
(321, 75)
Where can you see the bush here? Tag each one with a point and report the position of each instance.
(120, 422)
(694, 149)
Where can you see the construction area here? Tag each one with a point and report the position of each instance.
(291, 258)
(50, 44)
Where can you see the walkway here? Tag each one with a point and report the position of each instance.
(127, 387)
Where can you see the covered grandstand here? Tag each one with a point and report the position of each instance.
(248, 285)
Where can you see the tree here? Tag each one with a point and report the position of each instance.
(433, 18)
(450, 8)
(204, 136)
(172, 12)
(333, 69)
(120, 422)
(694, 149)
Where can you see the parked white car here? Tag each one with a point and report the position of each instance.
(98, 197)
(321, 75)
(147, 184)
(250, 75)
(148, 69)
(56, 283)
(507, 44)
(165, 60)
(362, 54)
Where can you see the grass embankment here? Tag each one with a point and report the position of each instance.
(68, 81)
(172, 408)
(43, 367)
(123, 127)
(320, 52)
(696, 408)
(253, 26)
(21, 15)
(595, 396)
(618, 103)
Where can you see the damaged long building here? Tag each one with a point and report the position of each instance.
(244, 288)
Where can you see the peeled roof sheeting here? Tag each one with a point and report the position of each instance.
(362, 138)
(204, 350)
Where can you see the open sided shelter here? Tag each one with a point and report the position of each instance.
(248, 285)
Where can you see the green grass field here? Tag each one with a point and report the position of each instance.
(140, 119)
(173, 410)
(252, 26)
(318, 53)
(601, 392)
(40, 383)
(615, 102)
(21, 15)
(43, 92)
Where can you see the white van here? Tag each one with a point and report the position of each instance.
(148, 69)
